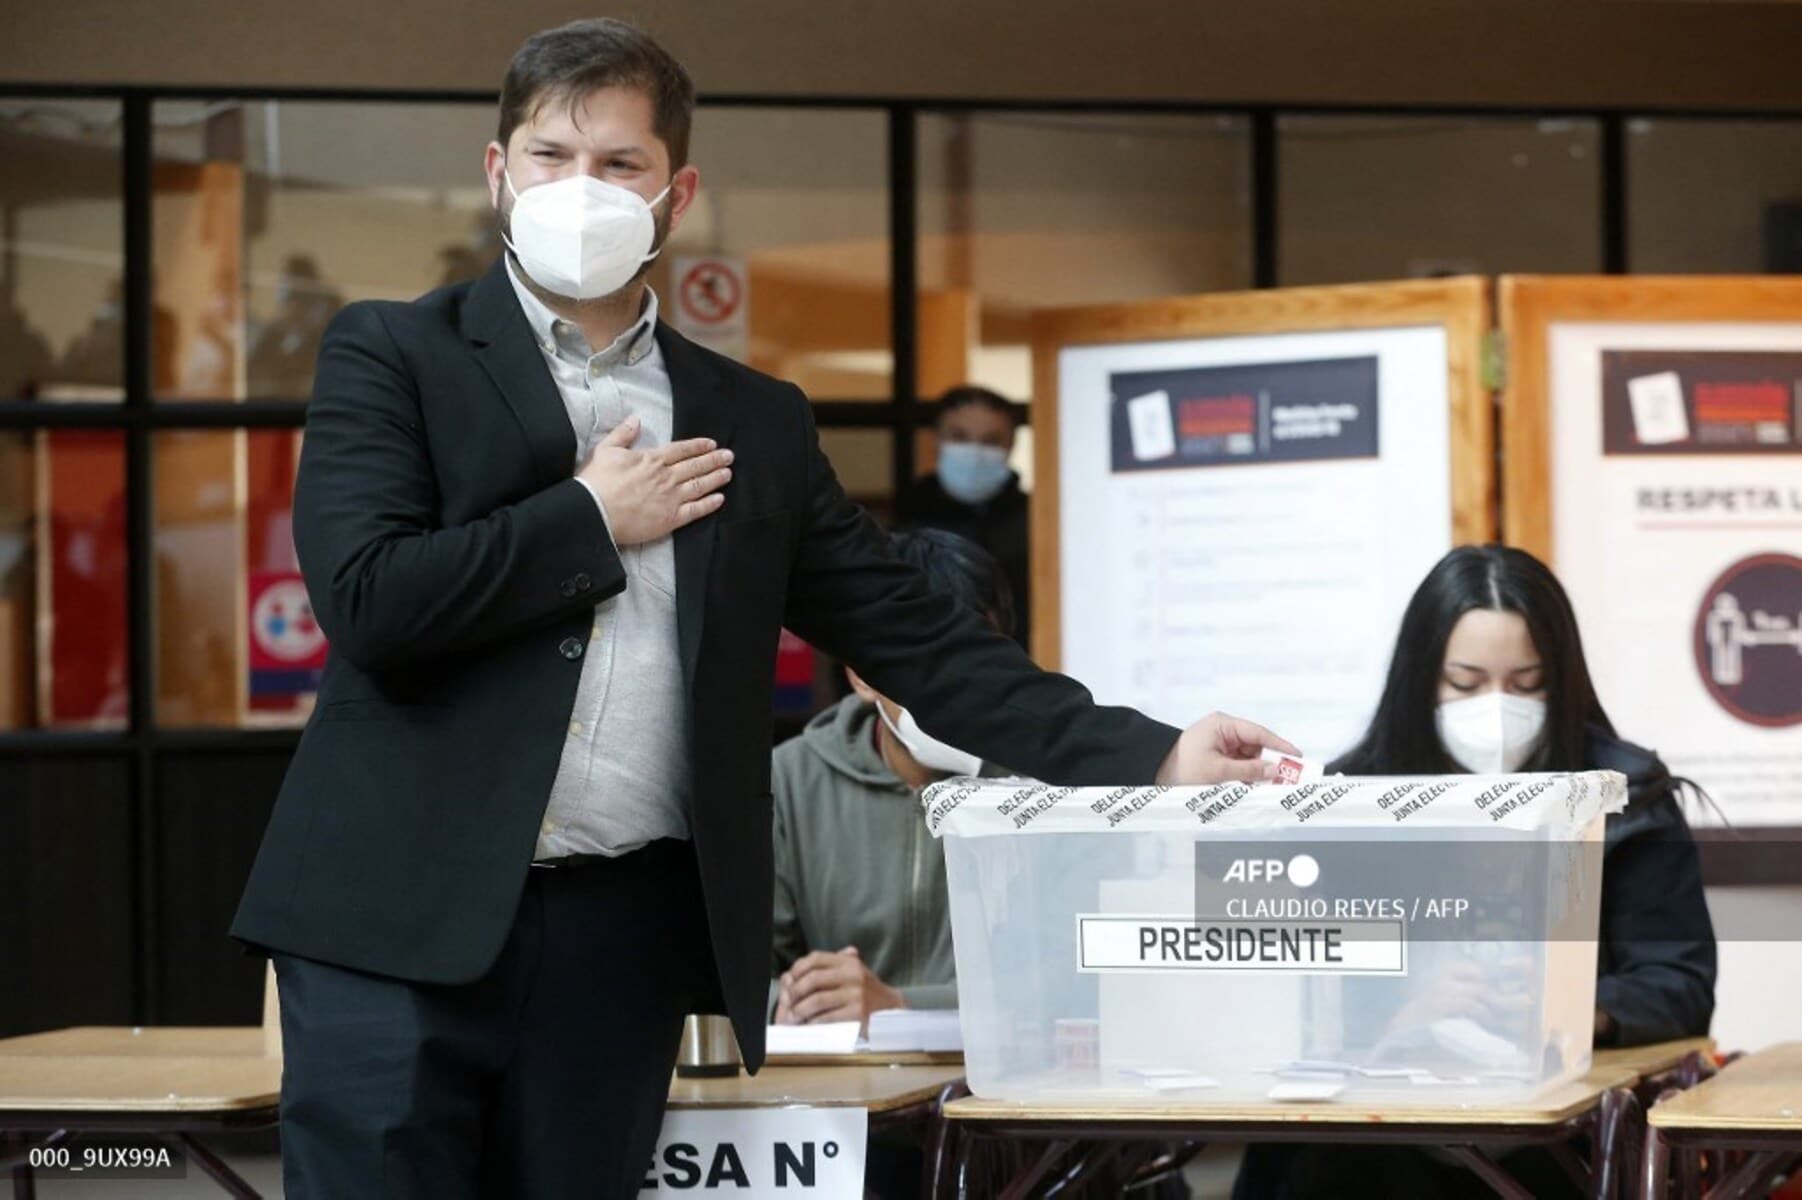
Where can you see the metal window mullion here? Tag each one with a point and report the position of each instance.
(1614, 194)
(904, 298)
(140, 616)
(1265, 224)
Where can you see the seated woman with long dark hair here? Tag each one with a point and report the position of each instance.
(1488, 676)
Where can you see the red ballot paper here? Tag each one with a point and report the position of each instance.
(1290, 769)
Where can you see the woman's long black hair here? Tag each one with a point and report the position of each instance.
(1403, 738)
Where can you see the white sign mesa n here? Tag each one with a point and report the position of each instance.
(757, 1153)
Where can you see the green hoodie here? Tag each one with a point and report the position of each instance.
(855, 865)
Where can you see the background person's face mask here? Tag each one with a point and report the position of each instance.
(581, 237)
(927, 750)
(971, 472)
(1491, 734)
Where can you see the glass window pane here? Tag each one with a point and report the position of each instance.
(62, 251)
(63, 659)
(864, 461)
(795, 201)
(270, 215)
(1019, 211)
(1722, 197)
(236, 641)
(1369, 198)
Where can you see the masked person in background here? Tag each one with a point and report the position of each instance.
(861, 922)
(1489, 677)
(974, 493)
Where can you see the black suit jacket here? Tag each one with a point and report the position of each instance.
(454, 564)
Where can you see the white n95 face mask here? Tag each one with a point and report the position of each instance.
(1491, 734)
(927, 750)
(581, 237)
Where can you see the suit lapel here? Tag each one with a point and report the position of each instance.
(493, 319)
(701, 409)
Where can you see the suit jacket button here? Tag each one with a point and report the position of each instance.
(568, 588)
(570, 648)
(582, 582)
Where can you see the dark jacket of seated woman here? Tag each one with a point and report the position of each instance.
(1488, 676)
(1655, 957)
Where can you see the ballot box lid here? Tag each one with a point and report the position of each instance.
(1557, 804)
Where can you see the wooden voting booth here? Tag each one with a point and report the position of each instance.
(1237, 493)
(1652, 454)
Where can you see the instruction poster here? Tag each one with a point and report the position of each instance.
(1242, 520)
(1678, 530)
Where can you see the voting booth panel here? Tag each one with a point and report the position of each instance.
(1653, 451)
(1427, 938)
(1236, 487)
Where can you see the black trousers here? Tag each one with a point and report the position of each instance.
(546, 1077)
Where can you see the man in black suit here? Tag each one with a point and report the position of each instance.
(528, 827)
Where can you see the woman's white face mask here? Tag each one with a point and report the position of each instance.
(1492, 734)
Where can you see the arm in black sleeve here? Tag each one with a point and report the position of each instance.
(389, 584)
(1657, 952)
(964, 683)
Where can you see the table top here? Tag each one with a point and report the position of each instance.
(1760, 1092)
(187, 1069)
(1551, 1107)
(871, 1058)
(150, 1041)
(877, 1088)
(1656, 1057)
(138, 1083)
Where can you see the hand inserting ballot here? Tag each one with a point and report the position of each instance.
(1222, 749)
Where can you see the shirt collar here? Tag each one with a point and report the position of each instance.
(563, 339)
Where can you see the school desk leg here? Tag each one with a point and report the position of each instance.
(1491, 1173)
(1020, 1187)
(1616, 1143)
(213, 1165)
(1755, 1176)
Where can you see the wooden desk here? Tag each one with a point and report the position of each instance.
(871, 1058)
(881, 1089)
(1601, 1105)
(1754, 1105)
(899, 1096)
(1656, 1058)
(94, 1083)
(153, 1041)
(169, 1083)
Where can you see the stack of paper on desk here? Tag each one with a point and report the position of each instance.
(832, 1037)
(902, 1029)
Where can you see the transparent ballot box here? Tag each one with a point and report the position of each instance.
(1431, 939)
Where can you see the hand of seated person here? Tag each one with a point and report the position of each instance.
(1466, 990)
(823, 986)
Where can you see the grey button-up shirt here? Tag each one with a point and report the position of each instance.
(622, 780)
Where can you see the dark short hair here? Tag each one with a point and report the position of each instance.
(967, 394)
(571, 61)
(1403, 738)
(961, 569)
